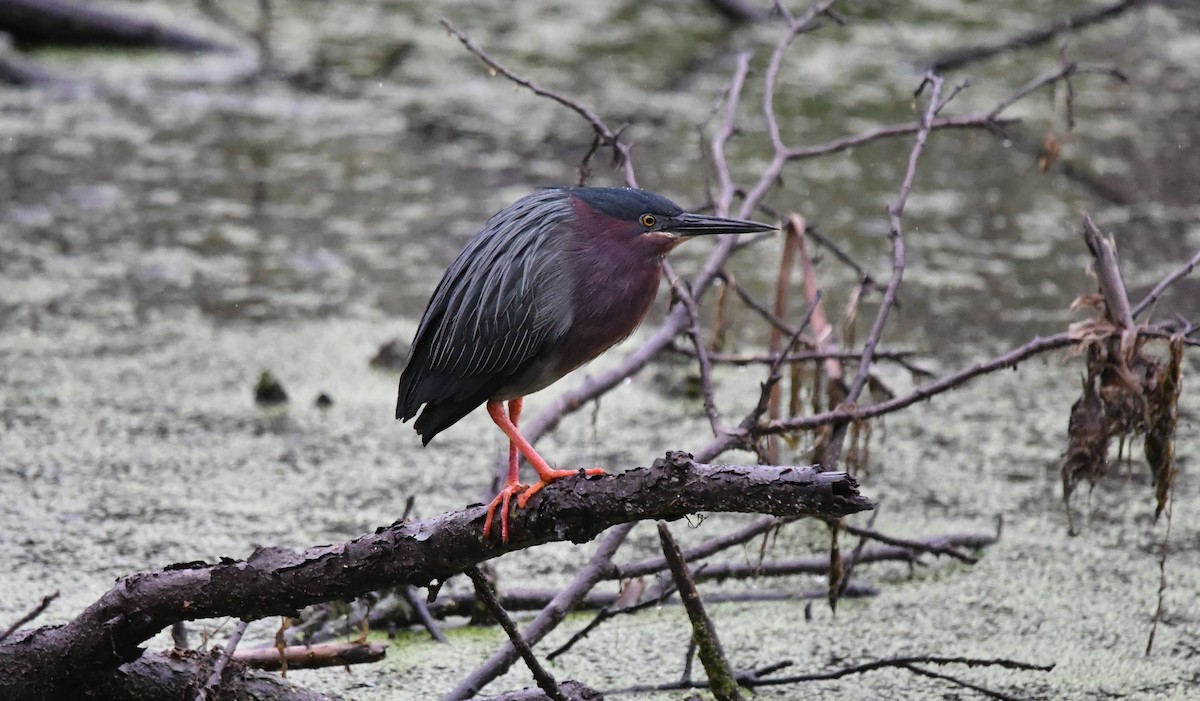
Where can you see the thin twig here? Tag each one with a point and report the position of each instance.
(933, 547)
(607, 136)
(756, 678)
(209, 689)
(1010, 359)
(774, 373)
(1065, 70)
(612, 608)
(724, 199)
(959, 57)
(483, 592)
(990, 693)
(34, 613)
(420, 607)
(758, 307)
(1162, 575)
(617, 608)
(863, 274)
(855, 555)
(904, 662)
(1177, 274)
(903, 550)
(979, 120)
(694, 333)
(795, 357)
(895, 233)
(709, 547)
(549, 617)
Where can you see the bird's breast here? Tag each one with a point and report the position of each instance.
(610, 302)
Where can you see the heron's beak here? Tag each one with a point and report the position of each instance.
(702, 225)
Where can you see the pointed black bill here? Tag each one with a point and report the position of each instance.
(701, 225)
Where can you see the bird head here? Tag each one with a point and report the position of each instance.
(652, 221)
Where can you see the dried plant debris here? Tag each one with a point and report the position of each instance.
(1164, 412)
(1127, 392)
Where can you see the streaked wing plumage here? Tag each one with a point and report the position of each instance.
(501, 303)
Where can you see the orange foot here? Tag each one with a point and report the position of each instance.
(501, 500)
(525, 492)
(549, 476)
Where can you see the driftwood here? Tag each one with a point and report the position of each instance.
(78, 23)
(311, 656)
(56, 660)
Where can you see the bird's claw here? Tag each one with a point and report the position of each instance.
(524, 492)
(502, 500)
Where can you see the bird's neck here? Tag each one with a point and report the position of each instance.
(616, 281)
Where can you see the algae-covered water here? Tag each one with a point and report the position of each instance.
(168, 231)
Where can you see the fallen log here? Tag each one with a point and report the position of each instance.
(56, 661)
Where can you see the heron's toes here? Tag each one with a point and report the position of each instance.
(502, 499)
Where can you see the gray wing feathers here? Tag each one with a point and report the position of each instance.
(504, 298)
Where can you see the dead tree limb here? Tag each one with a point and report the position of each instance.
(551, 615)
(704, 633)
(311, 656)
(168, 677)
(957, 58)
(483, 591)
(278, 581)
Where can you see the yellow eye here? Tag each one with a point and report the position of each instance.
(648, 221)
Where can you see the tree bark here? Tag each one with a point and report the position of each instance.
(54, 661)
(179, 675)
(311, 656)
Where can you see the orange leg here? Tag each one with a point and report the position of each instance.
(517, 446)
(512, 485)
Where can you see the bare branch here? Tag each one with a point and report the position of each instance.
(548, 619)
(33, 614)
(895, 211)
(315, 656)
(704, 633)
(214, 680)
(606, 135)
(1177, 274)
(1065, 70)
(1010, 359)
(694, 333)
(724, 200)
(959, 57)
(794, 357)
(483, 591)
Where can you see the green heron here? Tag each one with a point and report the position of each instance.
(549, 283)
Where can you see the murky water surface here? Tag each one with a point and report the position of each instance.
(167, 231)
